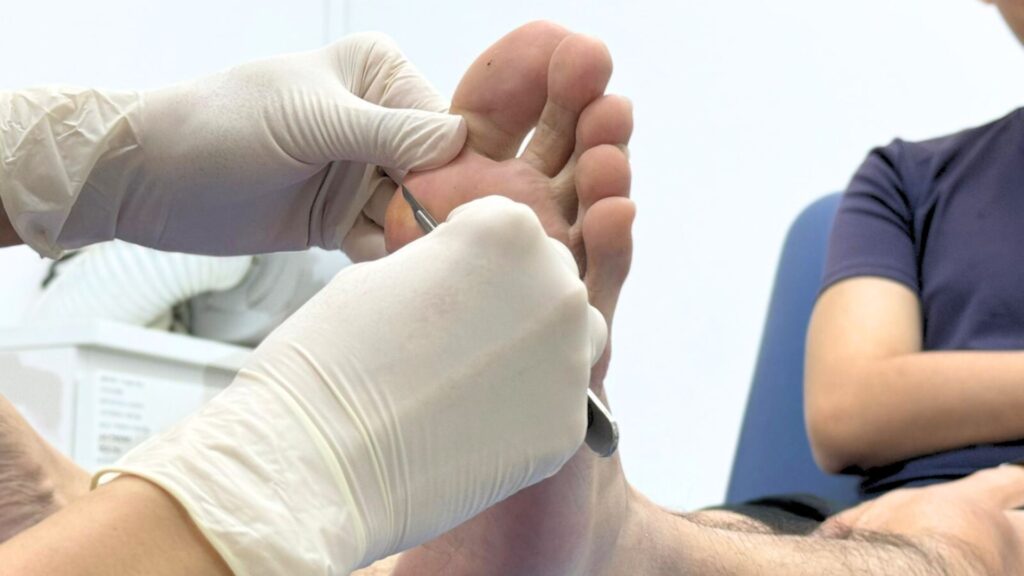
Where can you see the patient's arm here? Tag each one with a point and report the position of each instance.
(874, 397)
(125, 528)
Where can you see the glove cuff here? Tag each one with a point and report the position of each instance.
(51, 140)
(265, 492)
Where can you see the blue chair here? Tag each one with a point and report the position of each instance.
(773, 457)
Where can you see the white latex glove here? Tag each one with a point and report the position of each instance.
(409, 395)
(269, 156)
(365, 240)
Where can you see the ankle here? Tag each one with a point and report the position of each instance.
(652, 542)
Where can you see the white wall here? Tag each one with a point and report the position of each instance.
(746, 111)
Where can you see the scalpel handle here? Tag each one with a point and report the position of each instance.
(602, 430)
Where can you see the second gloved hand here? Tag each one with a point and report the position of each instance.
(409, 395)
(270, 156)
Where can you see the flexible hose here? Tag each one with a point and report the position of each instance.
(131, 284)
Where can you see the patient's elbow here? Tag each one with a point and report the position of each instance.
(837, 442)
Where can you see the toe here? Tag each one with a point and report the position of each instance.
(602, 172)
(580, 69)
(608, 120)
(503, 92)
(608, 237)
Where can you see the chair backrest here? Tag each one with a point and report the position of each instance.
(774, 455)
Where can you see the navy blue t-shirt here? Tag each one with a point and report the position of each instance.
(944, 217)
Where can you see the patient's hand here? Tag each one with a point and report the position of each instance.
(576, 175)
(972, 522)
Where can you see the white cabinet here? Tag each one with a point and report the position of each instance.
(95, 389)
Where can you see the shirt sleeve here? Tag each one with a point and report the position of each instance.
(873, 232)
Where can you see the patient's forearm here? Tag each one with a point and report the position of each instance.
(887, 410)
(125, 528)
(874, 397)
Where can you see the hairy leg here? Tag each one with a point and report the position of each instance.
(35, 479)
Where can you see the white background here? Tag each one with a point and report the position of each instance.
(745, 111)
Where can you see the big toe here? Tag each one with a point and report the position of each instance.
(504, 90)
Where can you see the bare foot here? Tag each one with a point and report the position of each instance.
(575, 174)
(35, 479)
(539, 76)
(572, 522)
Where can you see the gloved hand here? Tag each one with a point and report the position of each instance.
(269, 156)
(409, 395)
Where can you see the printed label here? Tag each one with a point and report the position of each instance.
(128, 408)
